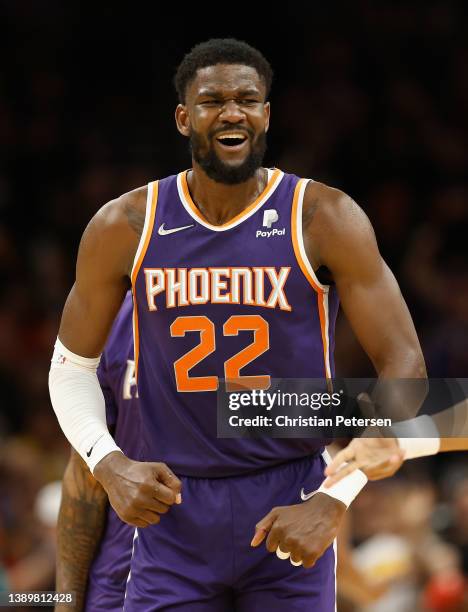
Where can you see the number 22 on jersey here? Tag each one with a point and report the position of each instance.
(207, 345)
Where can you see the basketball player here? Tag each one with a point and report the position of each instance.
(381, 457)
(94, 545)
(236, 272)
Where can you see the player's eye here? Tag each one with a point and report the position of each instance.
(211, 103)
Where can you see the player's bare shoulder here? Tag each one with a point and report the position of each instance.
(133, 205)
(328, 208)
(331, 221)
(115, 230)
(127, 212)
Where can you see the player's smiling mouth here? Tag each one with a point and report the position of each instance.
(232, 141)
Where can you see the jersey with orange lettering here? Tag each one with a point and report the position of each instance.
(238, 302)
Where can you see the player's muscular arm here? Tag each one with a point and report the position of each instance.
(105, 259)
(139, 492)
(339, 236)
(79, 528)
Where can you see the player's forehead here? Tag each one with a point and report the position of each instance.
(226, 79)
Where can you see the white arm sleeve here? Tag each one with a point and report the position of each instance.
(79, 404)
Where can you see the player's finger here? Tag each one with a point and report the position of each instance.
(164, 494)
(295, 560)
(282, 554)
(342, 457)
(263, 527)
(308, 562)
(157, 506)
(145, 518)
(152, 518)
(273, 540)
(259, 536)
(342, 472)
(138, 523)
(384, 468)
(167, 477)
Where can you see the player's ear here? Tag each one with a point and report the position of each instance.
(266, 110)
(182, 120)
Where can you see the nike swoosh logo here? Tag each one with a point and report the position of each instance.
(305, 496)
(88, 453)
(164, 232)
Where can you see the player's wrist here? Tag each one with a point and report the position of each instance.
(347, 489)
(332, 504)
(109, 465)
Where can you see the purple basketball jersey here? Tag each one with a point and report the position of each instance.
(109, 571)
(238, 301)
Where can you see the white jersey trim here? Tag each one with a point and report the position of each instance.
(327, 335)
(135, 536)
(327, 458)
(300, 237)
(149, 198)
(308, 271)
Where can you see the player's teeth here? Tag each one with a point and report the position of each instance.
(232, 136)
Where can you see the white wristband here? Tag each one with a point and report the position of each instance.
(419, 447)
(417, 437)
(347, 489)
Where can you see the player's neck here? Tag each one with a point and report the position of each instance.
(219, 203)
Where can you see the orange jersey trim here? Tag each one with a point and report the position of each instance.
(321, 293)
(238, 217)
(146, 239)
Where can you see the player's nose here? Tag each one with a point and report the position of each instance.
(231, 111)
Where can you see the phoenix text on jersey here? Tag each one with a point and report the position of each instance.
(262, 286)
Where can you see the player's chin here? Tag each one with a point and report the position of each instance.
(232, 164)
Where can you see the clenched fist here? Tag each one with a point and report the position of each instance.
(138, 491)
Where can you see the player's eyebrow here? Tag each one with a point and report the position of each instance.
(208, 93)
(213, 93)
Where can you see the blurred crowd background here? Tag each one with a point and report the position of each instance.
(370, 97)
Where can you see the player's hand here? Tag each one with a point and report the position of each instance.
(302, 532)
(377, 457)
(138, 491)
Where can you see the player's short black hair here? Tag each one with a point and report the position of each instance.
(220, 51)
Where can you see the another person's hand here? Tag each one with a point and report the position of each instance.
(138, 491)
(377, 457)
(302, 532)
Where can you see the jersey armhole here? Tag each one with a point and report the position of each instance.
(151, 201)
(308, 271)
(298, 239)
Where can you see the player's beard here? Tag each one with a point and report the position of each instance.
(221, 172)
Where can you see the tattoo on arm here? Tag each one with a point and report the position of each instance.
(322, 272)
(308, 213)
(79, 529)
(136, 219)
